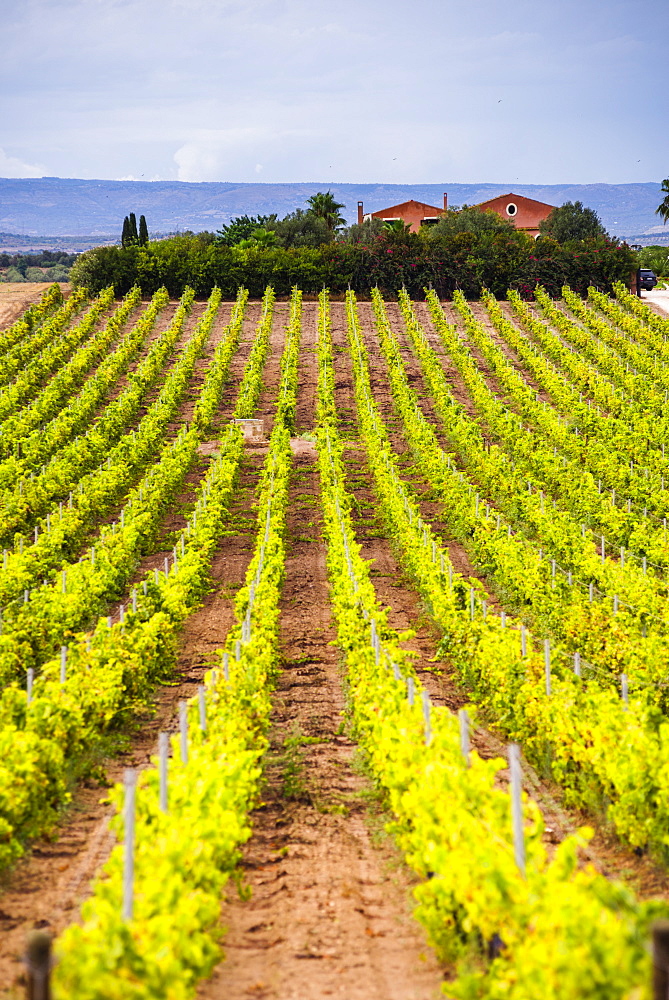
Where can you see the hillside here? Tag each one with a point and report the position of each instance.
(52, 206)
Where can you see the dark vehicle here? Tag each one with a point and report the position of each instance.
(646, 279)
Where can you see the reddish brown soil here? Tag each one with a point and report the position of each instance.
(121, 383)
(605, 852)
(518, 364)
(483, 317)
(331, 898)
(432, 510)
(47, 887)
(175, 519)
(330, 910)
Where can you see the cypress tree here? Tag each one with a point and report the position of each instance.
(143, 231)
(133, 228)
(125, 234)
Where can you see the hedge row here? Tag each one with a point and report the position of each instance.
(496, 261)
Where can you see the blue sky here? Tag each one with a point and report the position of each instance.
(353, 90)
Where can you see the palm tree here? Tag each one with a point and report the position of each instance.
(325, 207)
(663, 208)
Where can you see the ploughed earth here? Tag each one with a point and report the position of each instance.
(329, 912)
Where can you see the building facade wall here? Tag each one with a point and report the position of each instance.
(528, 213)
(410, 212)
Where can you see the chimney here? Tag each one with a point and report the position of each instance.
(360, 215)
(445, 202)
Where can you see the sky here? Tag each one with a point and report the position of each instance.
(391, 91)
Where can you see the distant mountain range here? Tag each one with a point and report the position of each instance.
(80, 213)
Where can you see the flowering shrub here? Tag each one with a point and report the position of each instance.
(466, 261)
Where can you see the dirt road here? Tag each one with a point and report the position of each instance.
(658, 300)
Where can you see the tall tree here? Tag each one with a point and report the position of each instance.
(324, 206)
(242, 228)
(466, 220)
(132, 221)
(663, 208)
(259, 239)
(143, 231)
(125, 233)
(572, 221)
(302, 229)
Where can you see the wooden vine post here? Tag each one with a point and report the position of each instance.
(661, 960)
(38, 963)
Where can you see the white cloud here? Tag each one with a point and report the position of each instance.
(195, 163)
(11, 166)
(211, 154)
(141, 177)
(368, 90)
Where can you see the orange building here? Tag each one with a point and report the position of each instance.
(524, 213)
(414, 213)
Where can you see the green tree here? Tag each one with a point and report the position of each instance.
(259, 238)
(242, 228)
(324, 206)
(35, 274)
(663, 208)
(572, 221)
(302, 229)
(467, 220)
(125, 233)
(143, 231)
(57, 273)
(362, 233)
(656, 258)
(132, 225)
(13, 274)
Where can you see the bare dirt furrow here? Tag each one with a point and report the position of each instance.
(512, 356)
(605, 852)
(177, 516)
(237, 364)
(433, 509)
(203, 362)
(392, 585)
(482, 315)
(272, 374)
(329, 913)
(183, 415)
(48, 886)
